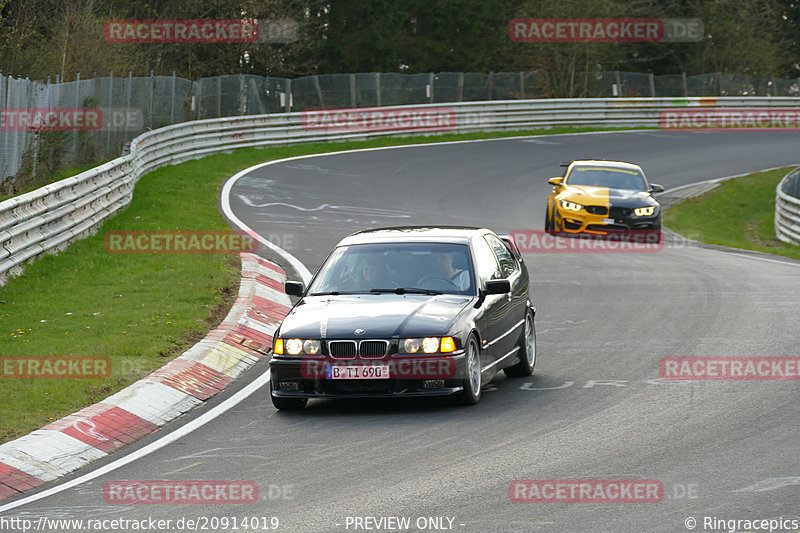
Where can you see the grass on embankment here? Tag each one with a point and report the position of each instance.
(739, 213)
(139, 310)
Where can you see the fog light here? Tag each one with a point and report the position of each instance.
(292, 386)
(433, 384)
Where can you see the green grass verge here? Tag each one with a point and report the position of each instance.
(138, 310)
(739, 213)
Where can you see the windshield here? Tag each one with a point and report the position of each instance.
(362, 268)
(615, 178)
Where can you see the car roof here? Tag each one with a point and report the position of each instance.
(605, 163)
(444, 234)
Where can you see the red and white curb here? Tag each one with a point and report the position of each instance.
(140, 409)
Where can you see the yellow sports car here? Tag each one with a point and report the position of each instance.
(598, 197)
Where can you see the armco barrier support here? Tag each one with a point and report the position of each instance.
(787, 208)
(48, 219)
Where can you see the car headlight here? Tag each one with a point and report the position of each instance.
(571, 206)
(644, 211)
(296, 346)
(428, 345)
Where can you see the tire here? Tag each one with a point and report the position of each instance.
(527, 350)
(472, 384)
(288, 404)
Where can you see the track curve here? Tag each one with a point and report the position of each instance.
(594, 409)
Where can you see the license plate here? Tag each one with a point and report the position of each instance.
(357, 372)
(608, 221)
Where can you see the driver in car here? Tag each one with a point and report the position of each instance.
(444, 269)
(374, 274)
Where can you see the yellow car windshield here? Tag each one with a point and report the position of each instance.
(614, 178)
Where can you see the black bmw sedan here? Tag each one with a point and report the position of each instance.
(409, 311)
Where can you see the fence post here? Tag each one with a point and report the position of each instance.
(522, 85)
(430, 88)
(77, 104)
(219, 96)
(288, 103)
(460, 86)
(315, 79)
(172, 101)
(352, 90)
(378, 88)
(152, 83)
(4, 172)
(652, 85)
(619, 83)
(242, 96)
(718, 76)
(685, 85)
(489, 88)
(109, 107)
(198, 97)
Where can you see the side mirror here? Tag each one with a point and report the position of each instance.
(498, 286)
(294, 288)
(555, 181)
(655, 187)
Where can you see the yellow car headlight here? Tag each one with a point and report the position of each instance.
(644, 211)
(571, 206)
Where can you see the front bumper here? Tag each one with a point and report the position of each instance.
(585, 222)
(304, 377)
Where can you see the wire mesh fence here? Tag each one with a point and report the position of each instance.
(127, 106)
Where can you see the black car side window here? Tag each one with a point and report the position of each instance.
(486, 262)
(507, 263)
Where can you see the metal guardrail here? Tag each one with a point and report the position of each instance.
(787, 208)
(48, 219)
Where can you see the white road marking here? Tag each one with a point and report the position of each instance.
(182, 431)
(771, 483)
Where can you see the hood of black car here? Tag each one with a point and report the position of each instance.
(379, 315)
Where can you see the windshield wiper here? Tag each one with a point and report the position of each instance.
(407, 290)
(328, 293)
